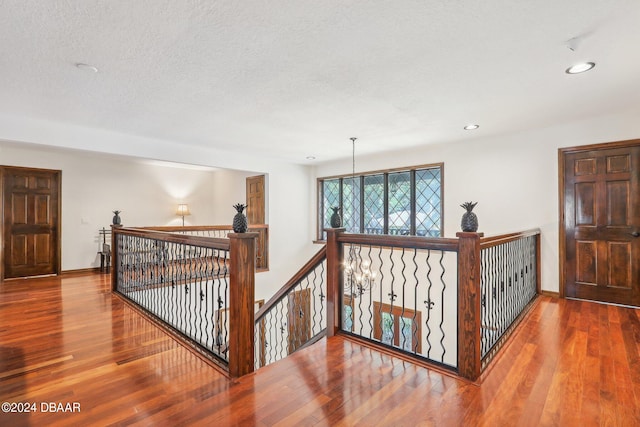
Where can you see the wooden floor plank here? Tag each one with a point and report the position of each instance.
(66, 340)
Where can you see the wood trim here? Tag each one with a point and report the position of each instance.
(241, 303)
(469, 310)
(442, 200)
(381, 171)
(205, 242)
(600, 146)
(561, 221)
(550, 294)
(284, 290)
(172, 228)
(491, 241)
(59, 225)
(254, 217)
(413, 242)
(562, 153)
(335, 252)
(80, 271)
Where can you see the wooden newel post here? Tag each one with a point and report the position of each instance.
(115, 261)
(469, 310)
(334, 280)
(242, 277)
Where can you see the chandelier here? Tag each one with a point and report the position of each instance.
(359, 278)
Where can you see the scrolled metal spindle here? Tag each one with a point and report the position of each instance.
(428, 303)
(442, 305)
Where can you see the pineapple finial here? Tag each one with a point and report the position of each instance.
(469, 219)
(240, 223)
(468, 206)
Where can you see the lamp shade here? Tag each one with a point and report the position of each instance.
(183, 209)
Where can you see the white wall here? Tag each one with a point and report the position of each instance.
(95, 184)
(514, 178)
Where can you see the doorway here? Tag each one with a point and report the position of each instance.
(30, 226)
(600, 222)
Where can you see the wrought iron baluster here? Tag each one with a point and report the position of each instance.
(442, 313)
(429, 303)
(414, 330)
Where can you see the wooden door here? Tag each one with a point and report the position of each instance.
(255, 200)
(31, 210)
(299, 319)
(601, 233)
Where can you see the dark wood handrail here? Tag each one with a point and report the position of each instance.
(173, 228)
(205, 242)
(412, 242)
(262, 249)
(490, 241)
(316, 260)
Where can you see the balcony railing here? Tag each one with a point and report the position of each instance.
(449, 302)
(221, 232)
(201, 289)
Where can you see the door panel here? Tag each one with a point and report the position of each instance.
(586, 259)
(30, 232)
(586, 212)
(601, 216)
(41, 211)
(18, 250)
(299, 319)
(19, 209)
(620, 264)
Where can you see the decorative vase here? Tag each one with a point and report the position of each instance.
(336, 220)
(116, 218)
(469, 221)
(240, 224)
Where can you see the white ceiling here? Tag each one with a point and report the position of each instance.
(291, 79)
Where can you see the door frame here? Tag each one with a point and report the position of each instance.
(562, 153)
(58, 243)
(263, 213)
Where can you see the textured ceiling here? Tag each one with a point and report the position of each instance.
(291, 79)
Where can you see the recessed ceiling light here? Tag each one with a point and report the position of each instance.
(311, 158)
(86, 67)
(471, 127)
(580, 68)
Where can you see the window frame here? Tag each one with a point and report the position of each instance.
(360, 176)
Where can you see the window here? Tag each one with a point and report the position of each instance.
(400, 202)
(397, 326)
(347, 313)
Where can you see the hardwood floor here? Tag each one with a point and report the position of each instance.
(70, 341)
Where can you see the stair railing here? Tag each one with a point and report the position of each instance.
(296, 316)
